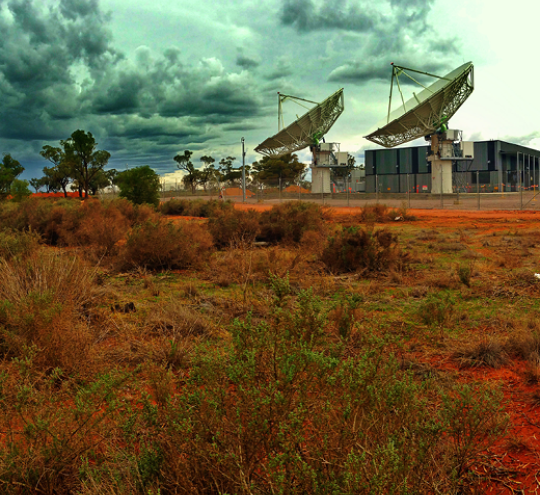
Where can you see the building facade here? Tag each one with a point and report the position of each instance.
(496, 166)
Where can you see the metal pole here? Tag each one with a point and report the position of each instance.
(243, 173)
(520, 182)
(299, 190)
(347, 185)
(408, 192)
(478, 187)
(280, 196)
(440, 170)
(377, 187)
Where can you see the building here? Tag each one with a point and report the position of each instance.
(496, 166)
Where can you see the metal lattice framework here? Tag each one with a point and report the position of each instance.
(305, 131)
(423, 114)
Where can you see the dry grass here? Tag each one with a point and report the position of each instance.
(488, 351)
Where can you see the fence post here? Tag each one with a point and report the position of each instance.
(520, 173)
(478, 187)
(347, 185)
(408, 192)
(377, 187)
(441, 171)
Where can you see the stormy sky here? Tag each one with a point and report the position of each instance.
(151, 79)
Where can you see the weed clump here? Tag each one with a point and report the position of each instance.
(162, 245)
(369, 251)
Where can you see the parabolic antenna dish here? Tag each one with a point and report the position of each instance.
(427, 111)
(307, 130)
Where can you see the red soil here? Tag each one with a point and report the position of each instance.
(236, 191)
(297, 189)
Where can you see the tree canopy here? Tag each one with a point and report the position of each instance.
(84, 160)
(139, 185)
(10, 169)
(283, 170)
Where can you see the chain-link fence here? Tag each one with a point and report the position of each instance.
(474, 191)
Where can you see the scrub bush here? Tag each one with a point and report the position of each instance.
(163, 245)
(368, 251)
(288, 222)
(234, 227)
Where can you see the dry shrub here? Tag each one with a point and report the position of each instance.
(177, 321)
(62, 342)
(368, 251)
(374, 213)
(95, 225)
(159, 245)
(289, 221)
(42, 216)
(59, 277)
(135, 214)
(234, 227)
(488, 351)
(195, 208)
(18, 244)
(313, 242)
(42, 300)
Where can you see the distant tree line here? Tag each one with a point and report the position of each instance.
(77, 163)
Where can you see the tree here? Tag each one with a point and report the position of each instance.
(99, 181)
(183, 162)
(228, 173)
(19, 189)
(280, 171)
(57, 176)
(83, 158)
(209, 173)
(37, 184)
(340, 173)
(10, 169)
(139, 185)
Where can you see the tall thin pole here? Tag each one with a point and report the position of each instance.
(347, 185)
(243, 173)
(478, 187)
(520, 182)
(408, 192)
(441, 171)
(377, 187)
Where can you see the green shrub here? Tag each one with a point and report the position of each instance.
(289, 221)
(357, 250)
(17, 244)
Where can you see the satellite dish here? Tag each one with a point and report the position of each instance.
(306, 130)
(428, 111)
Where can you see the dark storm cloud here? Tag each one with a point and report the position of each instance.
(361, 72)
(244, 61)
(59, 71)
(306, 16)
(402, 35)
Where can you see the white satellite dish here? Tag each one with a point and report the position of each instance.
(306, 130)
(429, 110)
